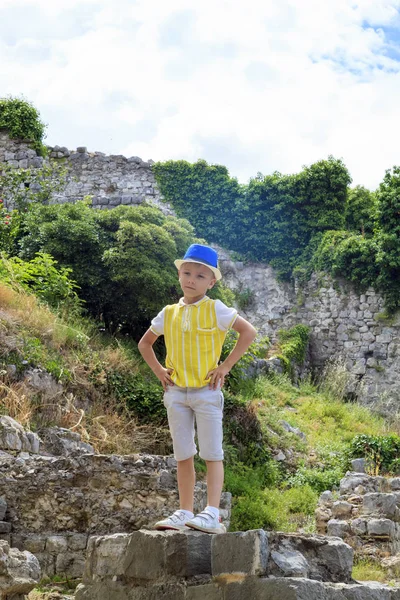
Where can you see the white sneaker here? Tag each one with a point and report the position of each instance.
(207, 522)
(176, 521)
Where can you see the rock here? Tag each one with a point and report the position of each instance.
(358, 465)
(341, 509)
(381, 528)
(326, 498)
(19, 571)
(380, 504)
(291, 564)
(14, 437)
(241, 552)
(338, 528)
(63, 442)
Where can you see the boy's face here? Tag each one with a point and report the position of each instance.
(195, 280)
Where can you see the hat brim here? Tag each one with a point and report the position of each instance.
(217, 273)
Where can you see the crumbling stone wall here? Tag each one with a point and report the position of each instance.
(365, 513)
(193, 566)
(343, 322)
(110, 179)
(54, 504)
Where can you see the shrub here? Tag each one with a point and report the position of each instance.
(273, 219)
(381, 451)
(142, 395)
(318, 479)
(238, 375)
(42, 275)
(22, 120)
(293, 345)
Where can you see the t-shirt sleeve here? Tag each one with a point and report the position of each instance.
(226, 316)
(157, 324)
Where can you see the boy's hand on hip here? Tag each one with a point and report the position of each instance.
(164, 375)
(217, 377)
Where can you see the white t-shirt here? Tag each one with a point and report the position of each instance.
(226, 316)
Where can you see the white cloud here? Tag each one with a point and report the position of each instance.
(259, 86)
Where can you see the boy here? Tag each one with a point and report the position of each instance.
(194, 331)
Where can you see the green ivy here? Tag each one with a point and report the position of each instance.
(293, 345)
(273, 218)
(22, 120)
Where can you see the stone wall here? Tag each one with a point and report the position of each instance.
(344, 324)
(51, 505)
(233, 566)
(366, 514)
(110, 180)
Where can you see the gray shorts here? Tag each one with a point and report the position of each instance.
(203, 405)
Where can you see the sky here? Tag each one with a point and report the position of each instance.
(256, 85)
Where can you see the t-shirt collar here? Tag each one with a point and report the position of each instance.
(181, 302)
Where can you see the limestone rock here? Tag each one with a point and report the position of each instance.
(19, 571)
(14, 437)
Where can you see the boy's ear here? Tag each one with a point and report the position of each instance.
(212, 283)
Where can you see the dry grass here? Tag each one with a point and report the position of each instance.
(16, 402)
(80, 405)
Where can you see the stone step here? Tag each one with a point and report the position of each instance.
(192, 565)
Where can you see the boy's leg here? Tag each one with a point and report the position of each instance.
(208, 406)
(215, 482)
(186, 481)
(181, 424)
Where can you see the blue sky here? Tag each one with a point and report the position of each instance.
(266, 85)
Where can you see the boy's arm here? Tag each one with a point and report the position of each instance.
(146, 350)
(247, 334)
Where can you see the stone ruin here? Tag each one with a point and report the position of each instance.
(55, 493)
(253, 565)
(366, 514)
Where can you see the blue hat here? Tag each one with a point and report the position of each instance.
(203, 255)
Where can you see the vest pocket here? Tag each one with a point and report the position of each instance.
(207, 331)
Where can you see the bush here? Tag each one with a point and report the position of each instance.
(318, 479)
(273, 219)
(22, 120)
(293, 345)
(50, 283)
(142, 395)
(381, 451)
(238, 375)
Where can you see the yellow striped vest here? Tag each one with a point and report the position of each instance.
(193, 342)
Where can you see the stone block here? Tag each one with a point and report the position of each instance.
(329, 559)
(5, 527)
(369, 590)
(106, 556)
(338, 528)
(56, 544)
(151, 555)
(342, 509)
(380, 504)
(3, 508)
(384, 528)
(210, 591)
(358, 526)
(290, 563)
(240, 552)
(72, 563)
(77, 541)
